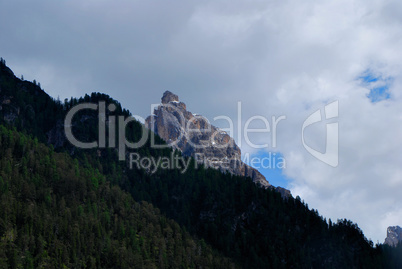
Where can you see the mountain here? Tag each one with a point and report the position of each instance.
(57, 213)
(194, 136)
(64, 206)
(394, 236)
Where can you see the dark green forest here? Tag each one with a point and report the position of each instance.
(57, 213)
(63, 206)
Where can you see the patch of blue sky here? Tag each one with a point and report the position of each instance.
(378, 94)
(270, 165)
(377, 84)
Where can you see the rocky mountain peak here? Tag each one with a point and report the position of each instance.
(194, 136)
(394, 236)
(169, 97)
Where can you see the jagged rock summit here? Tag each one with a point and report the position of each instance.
(169, 97)
(394, 236)
(194, 136)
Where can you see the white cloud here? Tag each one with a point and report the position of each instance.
(277, 57)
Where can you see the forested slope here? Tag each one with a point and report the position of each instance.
(56, 213)
(256, 228)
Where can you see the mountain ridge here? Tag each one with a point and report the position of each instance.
(194, 136)
(254, 226)
(394, 236)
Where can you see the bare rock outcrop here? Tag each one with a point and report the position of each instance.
(394, 236)
(194, 136)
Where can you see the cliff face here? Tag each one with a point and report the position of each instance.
(194, 136)
(394, 235)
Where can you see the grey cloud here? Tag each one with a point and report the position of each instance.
(277, 57)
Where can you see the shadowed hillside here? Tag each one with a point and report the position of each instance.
(108, 206)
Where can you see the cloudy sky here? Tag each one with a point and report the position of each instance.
(278, 58)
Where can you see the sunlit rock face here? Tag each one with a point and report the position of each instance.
(194, 136)
(394, 235)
